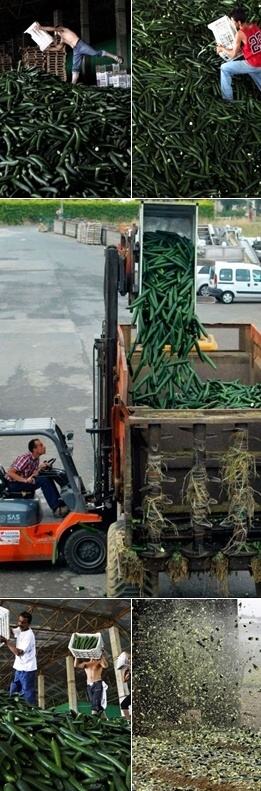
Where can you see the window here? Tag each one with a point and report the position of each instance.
(204, 270)
(225, 275)
(243, 275)
(257, 275)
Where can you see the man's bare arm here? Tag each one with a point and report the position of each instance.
(103, 661)
(56, 47)
(48, 28)
(11, 646)
(79, 665)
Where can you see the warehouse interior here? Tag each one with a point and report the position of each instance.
(53, 623)
(105, 24)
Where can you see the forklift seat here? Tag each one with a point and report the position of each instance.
(3, 482)
(4, 492)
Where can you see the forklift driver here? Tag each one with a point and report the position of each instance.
(24, 475)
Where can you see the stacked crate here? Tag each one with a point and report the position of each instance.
(71, 228)
(112, 76)
(56, 62)
(82, 232)
(59, 226)
(94, 231)
(33, 57)
(5, 63)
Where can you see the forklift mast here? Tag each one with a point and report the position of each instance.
(121, 276)
(104, 382)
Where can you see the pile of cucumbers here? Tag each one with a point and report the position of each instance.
(62, 140)
(85, 642)
(43, 750)
(168, 331)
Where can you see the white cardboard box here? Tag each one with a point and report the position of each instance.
(41, 38)
(4, 623)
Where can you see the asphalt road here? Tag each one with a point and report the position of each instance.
(51, 291)
(52, 308)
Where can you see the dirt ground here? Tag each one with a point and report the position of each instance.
(200, 760)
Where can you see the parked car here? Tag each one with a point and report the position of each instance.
(203, 274)
(231, 281)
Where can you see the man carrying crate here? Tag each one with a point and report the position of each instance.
(25, 664)
(79, 47)
(96, 687)
(247, 42)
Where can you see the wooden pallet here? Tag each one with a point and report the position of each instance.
(5, 63)
(56, 63)
(31, 56)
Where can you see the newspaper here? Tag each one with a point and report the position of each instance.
(224, 31)
(41, 38)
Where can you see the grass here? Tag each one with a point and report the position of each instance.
(17, 211)
(248, 228)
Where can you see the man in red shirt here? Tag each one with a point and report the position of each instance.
(24, 475)
(247, 43)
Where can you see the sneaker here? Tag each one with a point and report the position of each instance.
(61, 510)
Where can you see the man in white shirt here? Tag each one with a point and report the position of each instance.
(124, 664)
(25, 665)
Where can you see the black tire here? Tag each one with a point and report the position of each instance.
(227, 297)
(116, 588)
(85, 551)
(104, 236)
(203, 290)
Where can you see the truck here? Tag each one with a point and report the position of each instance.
(145, 454)
(129, 440)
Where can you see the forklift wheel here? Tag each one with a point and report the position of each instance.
(85, 551)
(116, 588)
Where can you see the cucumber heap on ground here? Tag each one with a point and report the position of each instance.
(61, 140)
(43, 750)
(165, 315)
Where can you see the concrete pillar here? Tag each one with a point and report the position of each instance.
(41, 695)
(71, 685)
(58, 16)
(116, 650)
(85, 21)
(121, 28)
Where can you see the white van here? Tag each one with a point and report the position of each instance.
(231, 281)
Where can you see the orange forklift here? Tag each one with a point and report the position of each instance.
(28, 530)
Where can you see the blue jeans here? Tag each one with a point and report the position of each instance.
(41, 482)
(234, 67)
(80, 50)
(23, 684)
(94, 693)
